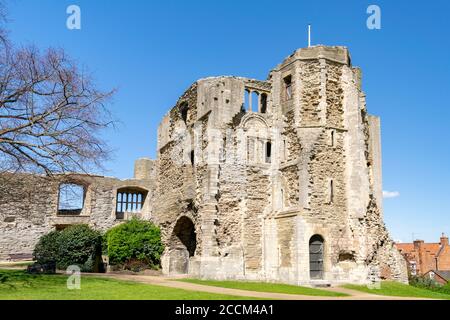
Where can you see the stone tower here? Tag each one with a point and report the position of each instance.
(276, 180)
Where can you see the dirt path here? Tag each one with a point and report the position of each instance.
(172, 283)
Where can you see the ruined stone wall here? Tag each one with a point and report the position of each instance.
(257, 195)
(334, 95)
(286, 244)
(310, 95)
(29, 207)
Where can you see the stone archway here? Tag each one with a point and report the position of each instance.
(316, 251)
(182, 246)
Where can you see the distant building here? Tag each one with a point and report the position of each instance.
(442, 277)
(424, 257)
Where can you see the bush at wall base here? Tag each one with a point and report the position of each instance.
(134, 245)
(76, 245)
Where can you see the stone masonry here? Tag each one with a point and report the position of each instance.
(276, 180)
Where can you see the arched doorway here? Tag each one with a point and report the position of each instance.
(316, 257)
(183, 243)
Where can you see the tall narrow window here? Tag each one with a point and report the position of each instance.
(288, 87)
(255, 101)
(331, 191)
(184, 109)
(192, 157)
(247, 106)
(263, 103)
(268, 152)
(332, 138)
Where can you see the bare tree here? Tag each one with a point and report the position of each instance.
(51, 113)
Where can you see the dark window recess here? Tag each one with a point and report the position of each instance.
(268, 152)
(71, 199)
(192, 157)
(288, 87)
(331, 191)
(130, 201)
(263, 103)
(184, 109)
(332, 138)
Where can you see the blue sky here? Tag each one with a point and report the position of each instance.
(153, 50)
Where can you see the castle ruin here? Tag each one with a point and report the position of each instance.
(276, 180)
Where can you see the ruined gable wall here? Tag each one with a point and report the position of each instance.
(29, 207)
(176, 188)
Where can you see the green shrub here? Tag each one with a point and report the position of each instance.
(47, 249)
(80, 245)
(134, 244)
(75, 245)
(429, 284)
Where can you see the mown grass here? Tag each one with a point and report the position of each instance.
(18, 285)
(266, 287)
(396, 289)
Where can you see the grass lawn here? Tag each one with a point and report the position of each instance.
(400, 290)
(22, 286)
(266, 287)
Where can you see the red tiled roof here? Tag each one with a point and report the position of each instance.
(409, 247)
(405, 247)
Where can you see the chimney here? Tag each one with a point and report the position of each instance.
(418, 243)
(444, 240)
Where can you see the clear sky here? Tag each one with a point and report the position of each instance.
(153, 50)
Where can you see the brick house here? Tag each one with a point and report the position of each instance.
(442, 277)
(423, 257)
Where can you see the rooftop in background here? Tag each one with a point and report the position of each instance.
(423, 257)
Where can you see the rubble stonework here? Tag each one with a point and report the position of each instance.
(284, 185)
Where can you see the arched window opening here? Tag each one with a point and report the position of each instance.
(70, 199)
(129, 201)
